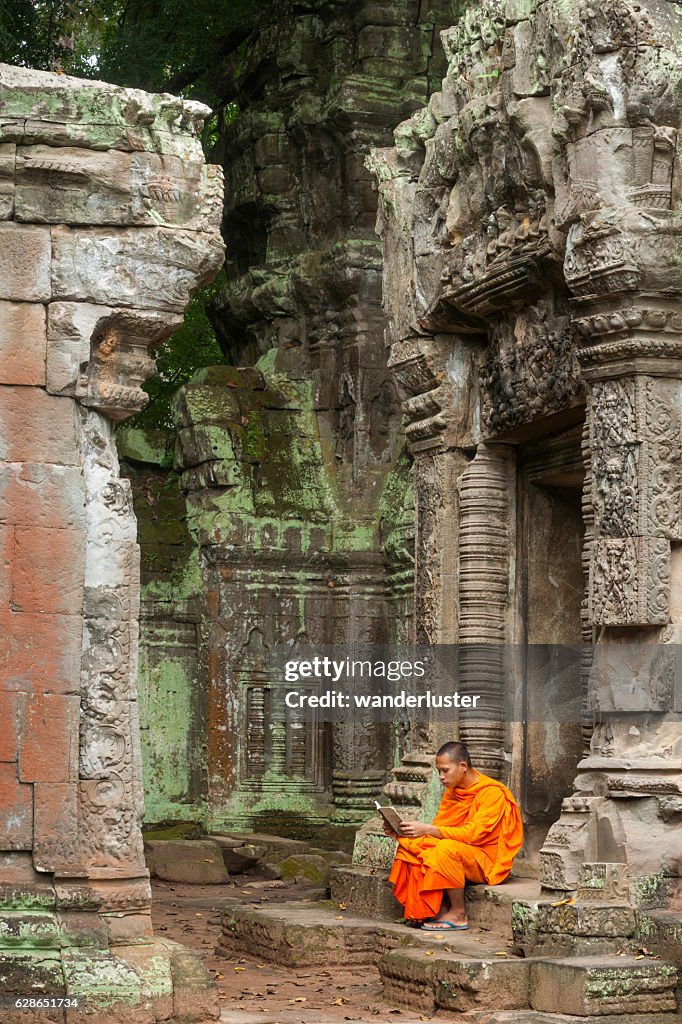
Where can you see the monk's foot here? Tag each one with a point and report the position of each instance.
(446, 923)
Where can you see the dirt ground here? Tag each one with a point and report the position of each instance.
(252, 992)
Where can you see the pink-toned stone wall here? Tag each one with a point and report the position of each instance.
(108, 220)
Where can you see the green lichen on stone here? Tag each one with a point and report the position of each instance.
(608, 982)
(646, 928)
(28, 929)
(524, 918)
(154, 447)
(255, 434)
(14, 897)
(156, 973)
(648, 889)
(102, 980)
(309, 866)
(166, 711)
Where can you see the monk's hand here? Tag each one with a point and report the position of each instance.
(416, 829)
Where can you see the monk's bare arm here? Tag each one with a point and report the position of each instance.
(417, 829)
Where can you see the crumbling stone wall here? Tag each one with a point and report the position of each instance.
(108, 220)
(295, 476)
(530, 215)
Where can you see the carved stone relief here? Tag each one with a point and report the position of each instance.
(539, 190)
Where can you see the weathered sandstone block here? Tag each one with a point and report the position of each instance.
(42, 495)
(36, 428)
(55, 822)
(48, 747)
(120, 188)
(40, 652)
(155, 269)
(179, 860)
(48, 569)
(16, 799)
(23, 344)
(26, 263)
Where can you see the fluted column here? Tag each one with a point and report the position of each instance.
(486, 544)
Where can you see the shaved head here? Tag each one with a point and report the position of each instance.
(455, 752)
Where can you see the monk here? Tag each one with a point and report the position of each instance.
(474, 838)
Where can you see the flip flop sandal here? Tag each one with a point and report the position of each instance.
(444, 926)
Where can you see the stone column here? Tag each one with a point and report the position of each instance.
(80, 306)
(619, 208)
(487, 539)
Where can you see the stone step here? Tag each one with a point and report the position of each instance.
(474, 974)
(566, 928)
(602, 988)
(603, 985)
(277, 848)
(303, 933)
(196, 861)
(454, 982)
(661, 930)
(237, 856)
(490, 906)
(538, 1017)
(366, 891)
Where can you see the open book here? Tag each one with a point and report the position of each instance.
(390, 816)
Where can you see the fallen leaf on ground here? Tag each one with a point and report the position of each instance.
(240, 968)
(299, 999)
(343, 906)
(501, 952)
(429, 952)
(564, 903)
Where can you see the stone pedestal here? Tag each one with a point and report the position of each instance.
(80, 306)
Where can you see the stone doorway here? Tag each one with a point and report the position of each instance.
(550, 600)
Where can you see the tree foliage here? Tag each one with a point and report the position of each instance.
(178, 359)
(186, 47)
(50, 35)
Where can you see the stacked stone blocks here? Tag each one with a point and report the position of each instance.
(108, 221)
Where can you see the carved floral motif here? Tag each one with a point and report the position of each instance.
(525, 381)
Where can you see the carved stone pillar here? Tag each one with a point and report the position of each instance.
(618, 206)
(487, 533)
(80, 305)
(437, 445)
(629, 786)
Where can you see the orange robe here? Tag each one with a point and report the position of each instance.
(482, 833)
